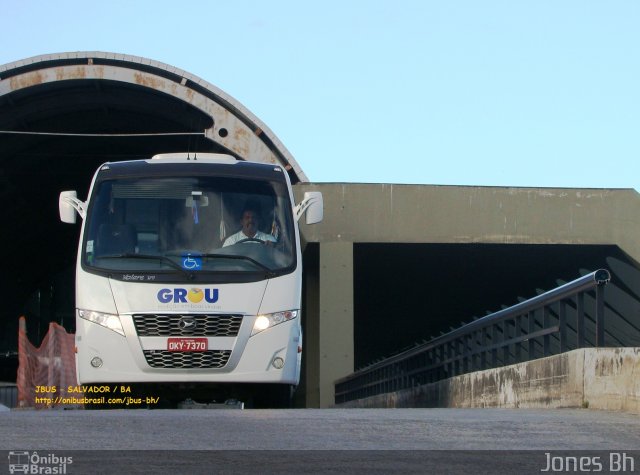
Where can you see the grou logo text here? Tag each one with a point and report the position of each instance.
(193, 295)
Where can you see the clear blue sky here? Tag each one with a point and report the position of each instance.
(509, 93)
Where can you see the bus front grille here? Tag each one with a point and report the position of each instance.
(187, 324)
(193, 359)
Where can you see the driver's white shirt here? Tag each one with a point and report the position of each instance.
(239, 236)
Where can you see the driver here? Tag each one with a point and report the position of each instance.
(250, 222)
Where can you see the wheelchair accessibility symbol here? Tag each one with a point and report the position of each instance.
(190, 262)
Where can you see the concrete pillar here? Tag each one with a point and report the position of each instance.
(336, 317)
(311, 329)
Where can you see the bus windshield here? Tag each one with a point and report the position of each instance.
(195, 225)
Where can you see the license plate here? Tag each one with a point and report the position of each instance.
(187, 344)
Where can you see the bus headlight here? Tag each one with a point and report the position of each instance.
(269, 320)
(112, 322)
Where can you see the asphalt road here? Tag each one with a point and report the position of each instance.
(349, 440)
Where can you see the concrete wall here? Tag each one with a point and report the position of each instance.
(335, 326)
(598, 378)
(472, 214)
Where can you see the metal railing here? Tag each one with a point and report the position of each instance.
(567, 317)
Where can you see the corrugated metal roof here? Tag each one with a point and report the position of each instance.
(231, 126)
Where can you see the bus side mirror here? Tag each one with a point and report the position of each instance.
(69, 205)
(313, 205)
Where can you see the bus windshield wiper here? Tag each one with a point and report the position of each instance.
(270, 273)
(131, 255)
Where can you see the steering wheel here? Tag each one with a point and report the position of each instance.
(250, 240)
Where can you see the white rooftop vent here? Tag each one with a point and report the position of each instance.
(194, 157)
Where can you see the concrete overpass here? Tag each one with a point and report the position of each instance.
(392, 265)
(389, 266)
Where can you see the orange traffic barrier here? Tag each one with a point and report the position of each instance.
(47, 375)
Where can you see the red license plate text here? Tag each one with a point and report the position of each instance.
(187, 344)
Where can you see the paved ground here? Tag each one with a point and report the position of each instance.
(355, 431)
(327, 429)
